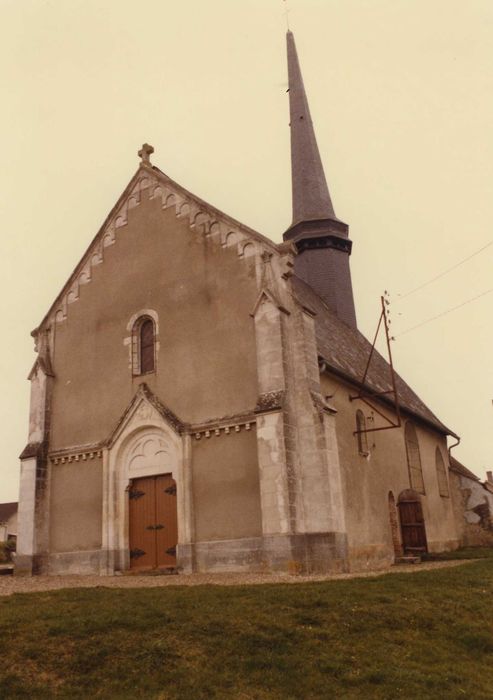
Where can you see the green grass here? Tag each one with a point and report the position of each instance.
(422, 635)
(485, 552)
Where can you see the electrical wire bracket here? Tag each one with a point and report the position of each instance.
(365, 394)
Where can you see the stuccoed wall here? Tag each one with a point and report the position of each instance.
(76, 506)
(203, 295)
(226, 486)
(367, 482)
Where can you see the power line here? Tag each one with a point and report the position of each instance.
(445, 272)
(444, 313)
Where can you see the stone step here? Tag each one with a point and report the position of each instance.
(165, 571)
(409, 559)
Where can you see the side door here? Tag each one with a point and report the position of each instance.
(412, 526)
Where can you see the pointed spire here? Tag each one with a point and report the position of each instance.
(321, 239)
(311, 198)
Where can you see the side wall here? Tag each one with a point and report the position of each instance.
(368, 480)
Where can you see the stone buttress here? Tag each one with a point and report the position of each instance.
(302, 505)
(33, 520)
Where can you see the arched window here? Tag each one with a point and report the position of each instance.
(441, 474)
(414, 458)
(144, 342)
(361, 434)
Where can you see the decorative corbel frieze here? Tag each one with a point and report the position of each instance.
(76, 457)
(224, 429)
(201, 219)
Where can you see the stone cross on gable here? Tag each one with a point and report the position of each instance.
(145, 153)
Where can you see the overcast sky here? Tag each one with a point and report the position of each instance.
(401, 94)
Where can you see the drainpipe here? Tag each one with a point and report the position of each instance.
(452, 446)
(461, 542)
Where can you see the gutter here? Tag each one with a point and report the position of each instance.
(330, 369)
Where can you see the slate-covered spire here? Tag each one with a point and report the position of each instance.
(320, 237)
(311, 198)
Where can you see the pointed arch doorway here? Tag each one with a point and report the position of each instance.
(412, 522)
(149, 453)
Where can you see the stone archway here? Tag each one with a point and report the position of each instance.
(394, 526)
(146, 453)
(145, 446)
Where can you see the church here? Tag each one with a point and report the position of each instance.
(202, 399)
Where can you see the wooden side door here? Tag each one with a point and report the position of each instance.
(412, 526)
(166, 516)
(141, 513)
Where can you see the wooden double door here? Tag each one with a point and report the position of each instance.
(153, 528)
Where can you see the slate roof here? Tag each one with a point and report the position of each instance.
(311, 198)
(459, 468)
(345, 351)
(7, 510)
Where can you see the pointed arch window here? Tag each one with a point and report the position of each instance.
(441, 474)
(414, 459)
(361, 433)
(144, 346)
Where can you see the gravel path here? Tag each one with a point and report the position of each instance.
(12, 584)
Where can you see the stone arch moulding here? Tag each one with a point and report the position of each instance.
(145, 444)
(143, 312)
(394, 526)
(131, 340)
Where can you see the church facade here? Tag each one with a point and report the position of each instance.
(194, 398)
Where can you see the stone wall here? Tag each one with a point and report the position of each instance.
(473, 509)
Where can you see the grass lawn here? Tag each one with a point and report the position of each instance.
(462, 553)
(422, 635)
